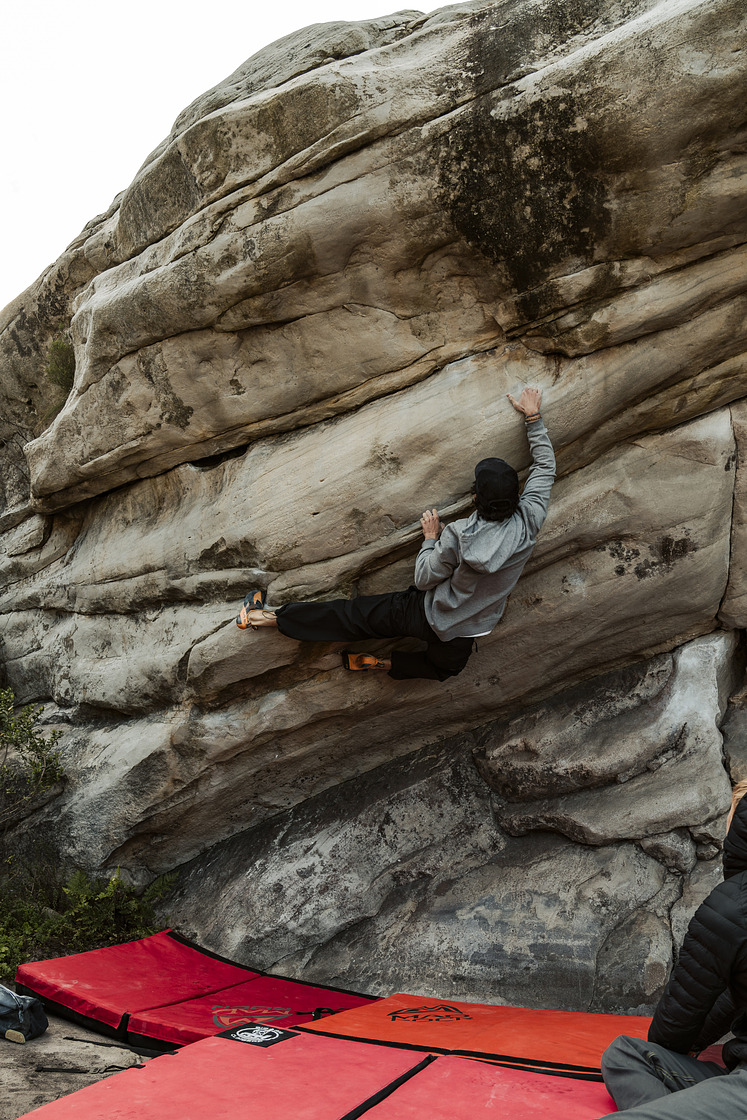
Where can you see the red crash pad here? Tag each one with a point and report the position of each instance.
(460, 1089)
(104, 985)
(265, 999)
(567, 1040)
(279, 1075)
(164, 991)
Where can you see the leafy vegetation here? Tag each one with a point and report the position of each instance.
(43, 917)
(59, 370)
(42, 913)
(29, 761)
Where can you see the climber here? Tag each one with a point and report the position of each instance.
(706, 996)
(462, 580)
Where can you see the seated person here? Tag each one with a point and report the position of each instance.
(662, 1079)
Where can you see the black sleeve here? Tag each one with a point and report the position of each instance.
(703, 972)
(718, 1021)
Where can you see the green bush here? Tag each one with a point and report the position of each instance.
(29, 761)
(43, 914)
(60, 372)
(42, 917)
(60, 368)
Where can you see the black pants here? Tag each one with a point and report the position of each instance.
(649, 1082)
(398, 614)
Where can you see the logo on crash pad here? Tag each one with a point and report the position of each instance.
(429, 1013)
(257, 1035)
(254, 1013)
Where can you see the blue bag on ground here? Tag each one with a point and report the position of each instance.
(21, 1017)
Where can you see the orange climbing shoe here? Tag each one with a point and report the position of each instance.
(361, 661)
(253, 601)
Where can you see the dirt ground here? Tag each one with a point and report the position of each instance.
(64, 1059)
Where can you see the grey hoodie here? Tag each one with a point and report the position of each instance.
(471, 570)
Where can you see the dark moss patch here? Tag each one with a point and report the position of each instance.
(621, 551)
(526, 188)
(664, 554)
(525, 192)
(672, 550)
(221, 556)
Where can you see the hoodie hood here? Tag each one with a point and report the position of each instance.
(735, 844)
(496, 489)
(487, 546)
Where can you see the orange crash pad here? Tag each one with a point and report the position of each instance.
(563, 1040)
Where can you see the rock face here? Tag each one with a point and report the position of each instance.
(292, 331)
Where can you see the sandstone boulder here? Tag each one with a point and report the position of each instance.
(493, 171)
(293, 330)
(647, 762)
(422, 892)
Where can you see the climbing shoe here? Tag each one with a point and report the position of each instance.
(253, 601)
(361, 661)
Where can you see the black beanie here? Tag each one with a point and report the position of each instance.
(496, 489)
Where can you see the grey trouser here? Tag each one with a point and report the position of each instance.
(649, 1082)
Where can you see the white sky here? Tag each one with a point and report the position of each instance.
(89, 87)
